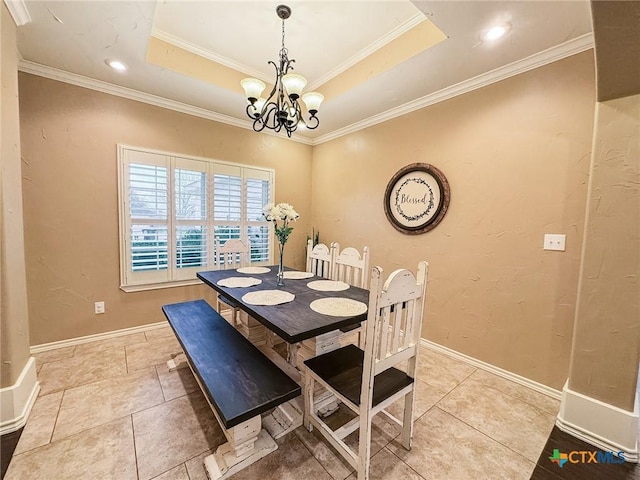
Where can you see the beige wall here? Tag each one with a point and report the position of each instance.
(604, 362)
(516, 155)
(69, 137)
(14, 324)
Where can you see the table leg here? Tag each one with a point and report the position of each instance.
(252, 329)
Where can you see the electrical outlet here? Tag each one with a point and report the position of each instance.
(554, 242)
(99, 307)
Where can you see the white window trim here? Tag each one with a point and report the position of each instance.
(125, 220)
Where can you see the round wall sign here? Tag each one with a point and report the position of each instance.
(416, 199)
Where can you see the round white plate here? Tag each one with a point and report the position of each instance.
(294, 275)
(253, 270)
(338, 307)
(239, 282)
(268, 297)
(328, 285)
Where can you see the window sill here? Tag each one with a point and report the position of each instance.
(158, 286)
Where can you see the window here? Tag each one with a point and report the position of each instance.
(173, 211)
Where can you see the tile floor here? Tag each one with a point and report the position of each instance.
(110, 409)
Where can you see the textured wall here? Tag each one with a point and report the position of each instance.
(605, 359)
(516, 155)
(69, 137)
(14, 324)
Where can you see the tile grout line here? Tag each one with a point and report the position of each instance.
(135, 453)
(410, 467)
(489, 437)
(317, 460)
(55, 423)
(454, 388)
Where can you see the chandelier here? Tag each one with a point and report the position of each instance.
(281, 109)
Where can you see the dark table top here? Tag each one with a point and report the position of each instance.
(293, 321)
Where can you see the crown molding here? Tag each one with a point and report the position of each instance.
(19, 12)
(553, 54)
(130, 94)
(227, 62)
(572, 47)
(214, 57)
(370, 49)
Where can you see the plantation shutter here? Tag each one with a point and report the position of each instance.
(190, 218)
(258, 194)
(146, 198)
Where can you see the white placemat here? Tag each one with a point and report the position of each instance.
(293, 275)
(328, 285)
(235, 282)
(338, 307)
(253, 270)
(268, 297)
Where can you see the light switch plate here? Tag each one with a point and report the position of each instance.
(554, 241)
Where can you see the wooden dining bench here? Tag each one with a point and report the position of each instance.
(239, 382)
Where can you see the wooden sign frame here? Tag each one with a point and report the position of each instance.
(417, 198)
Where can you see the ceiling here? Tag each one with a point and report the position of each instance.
(372, 59)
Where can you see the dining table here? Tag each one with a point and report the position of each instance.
(298, 322)
(293, 321)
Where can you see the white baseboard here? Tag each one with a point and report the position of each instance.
(599, 424)
(98, 336)
(17, 400)
(514, 377)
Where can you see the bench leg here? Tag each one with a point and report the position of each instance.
(247, 444)
(177, 362)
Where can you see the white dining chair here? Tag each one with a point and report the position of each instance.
(234, 253)
(320, 259)
(366, 381)
(350, 266)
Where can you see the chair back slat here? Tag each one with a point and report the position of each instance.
(398, 327)
(320, 259)
(407, 335)
(384, 333)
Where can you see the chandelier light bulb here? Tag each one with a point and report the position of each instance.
(259, 105)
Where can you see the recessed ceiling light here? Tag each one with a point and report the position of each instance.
(497, 32)
(116, 65)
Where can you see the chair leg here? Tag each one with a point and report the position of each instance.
(407, 419)
(364, 448)
(308, 401)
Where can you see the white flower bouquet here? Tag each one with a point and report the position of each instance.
(280, 214)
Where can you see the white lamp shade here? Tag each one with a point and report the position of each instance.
(259, 104)
(313, 100)
(292, 114)
(294, 84)
(252, 87)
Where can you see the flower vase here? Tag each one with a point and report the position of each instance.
(280, 265)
